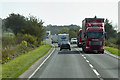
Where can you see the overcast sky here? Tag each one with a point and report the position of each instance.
(62, 12)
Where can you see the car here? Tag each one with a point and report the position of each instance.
(65, 45)
(73, 40)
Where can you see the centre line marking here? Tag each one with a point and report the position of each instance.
(87, 61)
(91, 66)
(96, 73)
(94, 70)
(85, 57)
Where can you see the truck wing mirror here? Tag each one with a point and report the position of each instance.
(105, 34)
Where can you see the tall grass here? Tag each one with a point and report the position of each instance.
(113, 50)
(20, 64)
(12, 47)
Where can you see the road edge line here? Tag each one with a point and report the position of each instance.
(42, 63)
(109, 53)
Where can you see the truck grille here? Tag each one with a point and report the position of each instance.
(94, 47)
(95, 43)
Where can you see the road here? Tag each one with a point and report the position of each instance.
(77, 64)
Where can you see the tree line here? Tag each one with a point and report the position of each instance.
(24, 25)
(56, 28)
(33, 26)
(113, 37)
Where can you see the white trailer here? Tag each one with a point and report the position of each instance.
(62, 37)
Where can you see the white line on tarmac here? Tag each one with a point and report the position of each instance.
(94, 70)
(87, 61)
(41, 64)
(107, 52)
(84, 57)
(91, 65)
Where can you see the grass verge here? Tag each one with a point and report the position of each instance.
(113, 50)
(20, 64)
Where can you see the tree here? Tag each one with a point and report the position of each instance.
(19, 24)
(118, 41)
(64, 30)
(15, 22)
(34, 27)
(73, 32)
(111, 33)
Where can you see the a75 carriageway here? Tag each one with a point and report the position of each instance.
(77, 65)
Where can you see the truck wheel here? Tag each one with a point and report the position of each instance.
(69, 48)
(102, 52)
(60, 49)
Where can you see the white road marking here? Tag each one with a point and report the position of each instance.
(84, 57)
(107, 52)
(41, 64)
(91, 65)
(94, 70)
(96, 73)
(87, 61)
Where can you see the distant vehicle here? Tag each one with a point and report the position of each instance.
(54, 38)
(93, 35)
(73, 40)
(62, 37)
(48, 33)
(65, 45)
(79, 38)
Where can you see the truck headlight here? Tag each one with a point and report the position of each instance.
(87, 47)
(102, 47)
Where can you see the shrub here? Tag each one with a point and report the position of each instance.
(7, 54)
(18, 45)
(8, 41)
(110, 44)
(31, 40)
(10, 53)
(22, 48)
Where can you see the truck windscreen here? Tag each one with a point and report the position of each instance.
(95, 35)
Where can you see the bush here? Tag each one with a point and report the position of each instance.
(7, 54)
(10, 53)
(31, 40)
(22, 48)
(8, 41)
(15, 46)
(111, 44)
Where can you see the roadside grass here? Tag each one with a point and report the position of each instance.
(20, 64)
(8, 34)
(113, 50)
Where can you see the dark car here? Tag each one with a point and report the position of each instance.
(65, 45)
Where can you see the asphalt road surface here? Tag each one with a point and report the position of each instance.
(77, 64)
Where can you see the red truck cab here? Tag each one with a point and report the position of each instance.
(94, 40)
(93, 35)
